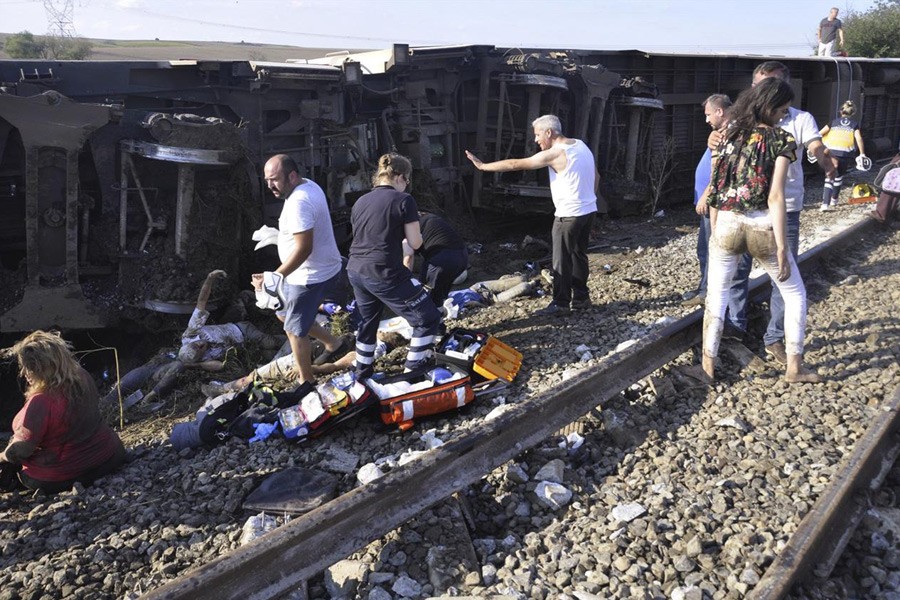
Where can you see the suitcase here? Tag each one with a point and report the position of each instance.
(422, 401)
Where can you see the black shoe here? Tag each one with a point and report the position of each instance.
(582, 304)
(552, 310)
(329, 357)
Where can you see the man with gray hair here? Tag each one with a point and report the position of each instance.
(829, 30)
(573, 187)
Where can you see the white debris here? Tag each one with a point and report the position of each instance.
(572, 442)
(666, 320)
(735, 422)
(552, 495)
(409, 456)
(256, 526)
(368, 473)
(496, 412)
(582, 349)
(431, 440)
(626, 513)
(586, 357)
(625, 344)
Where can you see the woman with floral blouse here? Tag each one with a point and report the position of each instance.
(747, 214)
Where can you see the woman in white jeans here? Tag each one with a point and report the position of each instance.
(747, 214)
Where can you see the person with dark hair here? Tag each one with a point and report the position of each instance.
(747, 214)
(843, 139)
(310, 263)
(444, 255)
(58, 437)
(574, 181)
(381, 220)
(802, 126)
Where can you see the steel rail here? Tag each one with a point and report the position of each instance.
(285, 558)
(825, 531)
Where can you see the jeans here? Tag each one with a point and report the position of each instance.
(737, 234)
(703, 251)
(775, 330)
(407, 300)
(570, 236)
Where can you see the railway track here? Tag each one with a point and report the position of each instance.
(283, 560)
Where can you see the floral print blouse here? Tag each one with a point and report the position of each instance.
(741, 176)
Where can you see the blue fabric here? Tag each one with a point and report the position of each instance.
(775, 330)
(702, 175)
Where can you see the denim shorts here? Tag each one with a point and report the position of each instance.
(301, 304)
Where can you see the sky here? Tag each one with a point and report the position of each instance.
(779, 27)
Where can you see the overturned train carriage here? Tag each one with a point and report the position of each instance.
(122, 183)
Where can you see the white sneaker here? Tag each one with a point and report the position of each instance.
(825, 208)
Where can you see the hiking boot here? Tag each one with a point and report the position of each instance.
(777, 353)
(552, 310)
(698, 300)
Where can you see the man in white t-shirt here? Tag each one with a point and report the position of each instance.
(573, 187)
(310, 262)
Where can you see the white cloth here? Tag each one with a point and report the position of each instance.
(218, 337)
(266, 236)
(572, 188)
(803, 127)
(306, 209)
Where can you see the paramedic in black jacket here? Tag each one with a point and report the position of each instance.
(444, 256)
(381, 220)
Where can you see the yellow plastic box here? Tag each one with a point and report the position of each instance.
(498, 361)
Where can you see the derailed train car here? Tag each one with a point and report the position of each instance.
(121, 183)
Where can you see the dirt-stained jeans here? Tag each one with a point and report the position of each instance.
(751, 232)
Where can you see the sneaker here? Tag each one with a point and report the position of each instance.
(326, 357)
(697, 300)
(582, 304)
(552, 310)
(777, 353)
(834, 204)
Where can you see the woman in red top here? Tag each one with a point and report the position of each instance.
(58, 436)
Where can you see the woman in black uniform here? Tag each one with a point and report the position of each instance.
(381, 220)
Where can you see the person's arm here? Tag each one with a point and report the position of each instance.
(823, 156)
(408, 255)
(206, 288)
(303, 245)
(779, 217)
(819, 33)
(413, 233)
(702, 207)
(544, 158)
(27, 437)
(824, 131)
(596, 181)
(715, 138)
(841, 35)
(859, 142)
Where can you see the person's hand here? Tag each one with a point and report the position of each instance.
(256, 280)
(830, 166)
(217, 274)
(784, 266)
(475, 160)
(702, 208)
(715, 138)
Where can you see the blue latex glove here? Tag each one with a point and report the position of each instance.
(263, 431)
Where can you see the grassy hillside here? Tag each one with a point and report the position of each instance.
(173, 50)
